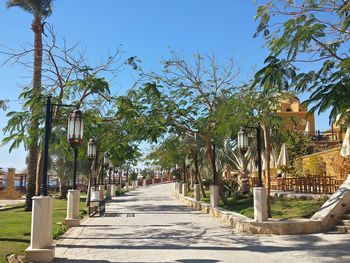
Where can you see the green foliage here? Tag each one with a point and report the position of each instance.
(59, 231)
(298, 144)
(169, 152)
(311, 31)
(40, 9)
(281, 208)
(121, 192)
(132, 177)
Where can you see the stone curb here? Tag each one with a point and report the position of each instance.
(245, 224)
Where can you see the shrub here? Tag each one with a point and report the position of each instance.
(60, 231)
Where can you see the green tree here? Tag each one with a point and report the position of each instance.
(315, 32)
(40, 9)
(182, 98)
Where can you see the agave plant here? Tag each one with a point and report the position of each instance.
(236, 160)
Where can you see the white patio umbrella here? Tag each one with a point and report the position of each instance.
(283, 159)
(307, 128)
(345, 148)
(273, 159)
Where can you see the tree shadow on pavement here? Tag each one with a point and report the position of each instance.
(203, 260)
(62, 260)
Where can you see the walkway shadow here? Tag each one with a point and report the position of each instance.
(62, 260)
(197, 260)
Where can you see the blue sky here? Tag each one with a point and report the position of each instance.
(146, 29)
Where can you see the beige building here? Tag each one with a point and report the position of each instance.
(295, 115)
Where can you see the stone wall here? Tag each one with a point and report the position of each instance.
(332, 210)
(245, 224)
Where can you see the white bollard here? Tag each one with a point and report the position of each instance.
(113, 190)
(180, 188)
(144, 182)
(109, 191)
(214, 195)
(196, 192)
(41, 248)
(260, 204)
(184, 189)
(73, 205)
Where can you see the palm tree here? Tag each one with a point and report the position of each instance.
(40, 9)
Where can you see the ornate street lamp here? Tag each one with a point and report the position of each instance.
(242, 140)
(105, 163)
(243, 144)
(110, 169)
(91, 152)
(92, 149)
(75, 137)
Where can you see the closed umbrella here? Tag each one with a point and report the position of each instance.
(283, 159)
(307, 128)
(345, 148)
(273, 159)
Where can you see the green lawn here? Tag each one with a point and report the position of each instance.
(15, 227)
(281, 208)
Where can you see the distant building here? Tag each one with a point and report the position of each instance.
(296, 116)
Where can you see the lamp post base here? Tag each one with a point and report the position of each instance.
(41, 249)
(214, 195)
(113, 190)
(184, 188)
(73, 206)
(40, 255)
(260, 204)
(109, 191)
(176, 187)
(180, 188)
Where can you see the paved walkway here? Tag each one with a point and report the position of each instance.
(151, 225)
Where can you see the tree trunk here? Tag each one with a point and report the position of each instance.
(184, 173)
(267, 166)
(243, 181)
(201, 185)
(92, 167)
(64, 185)
(100, 174)
(211, 158)
(33, 129)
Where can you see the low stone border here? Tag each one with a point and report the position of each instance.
(245, 224)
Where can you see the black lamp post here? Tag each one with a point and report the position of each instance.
(46, 145)
(91, 152)
(75, 138)
(110, 170)
(243, 145)
(106, 163)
